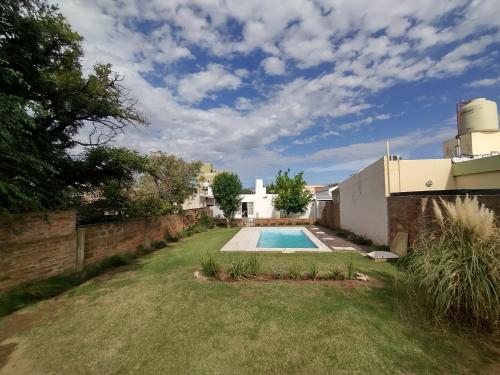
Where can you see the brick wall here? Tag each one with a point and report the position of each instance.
(284, 221)
(33, 247)
(330, 216)
(412, 213)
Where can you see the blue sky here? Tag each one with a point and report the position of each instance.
(319, 86)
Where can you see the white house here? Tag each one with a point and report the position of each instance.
(259, 205)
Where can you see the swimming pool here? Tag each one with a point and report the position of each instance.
(289, 238)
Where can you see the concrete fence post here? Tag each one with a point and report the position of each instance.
(80, 248)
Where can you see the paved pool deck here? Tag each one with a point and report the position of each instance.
(246, 240)
(325, 239)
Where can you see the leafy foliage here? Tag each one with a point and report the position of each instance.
(168, 183)
(45, 101)
(209, 267)
(226, 188)
(292, 197)
(455, 267)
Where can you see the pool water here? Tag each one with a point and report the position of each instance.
(289, 238)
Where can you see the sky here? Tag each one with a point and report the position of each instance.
(254, 86)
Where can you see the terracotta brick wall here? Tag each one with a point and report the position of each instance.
(108, 239)
(284, 221)
(413, 213)
(162, 226)
(330, 216)
(32, 247)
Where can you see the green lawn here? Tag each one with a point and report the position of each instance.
(157, 319)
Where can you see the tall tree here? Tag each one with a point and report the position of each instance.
(226, 188)
(46, 100)
(292, 196)
(168, 183)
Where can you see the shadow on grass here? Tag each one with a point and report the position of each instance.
(32, 292)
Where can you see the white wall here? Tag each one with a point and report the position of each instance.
(363, 203)
(262, 204)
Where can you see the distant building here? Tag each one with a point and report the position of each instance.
(259, 205)
(203, 196)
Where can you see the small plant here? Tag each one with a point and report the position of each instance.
(253, 266)
(278, 272)
(159, 245)
(209, 266)
(337, 273)
(237, 269)
(313, 271)
(349, 270)
(294, 272)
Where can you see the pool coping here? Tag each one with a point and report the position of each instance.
(248, 237)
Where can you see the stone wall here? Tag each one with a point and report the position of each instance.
(35, 247)
(330, 216)
(413, 213)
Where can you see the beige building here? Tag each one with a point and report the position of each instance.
(203, 196)
(471, 164)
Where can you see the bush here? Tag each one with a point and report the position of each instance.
(455, 266)
(294, 272)
(313, 271)
(237, 269)
(206, 221)
(337, 273)
(253, 266)
(349, 270)
(209, 266)
(278, 272)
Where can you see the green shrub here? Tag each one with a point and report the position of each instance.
(252, 266)
(209, 267)
(294, 272)
(206, 221)
(455, 266)
(313, 271)
(349, 270)
(237, 269)
(278, 272)
(159, 245)
(172, 238)
(337, 273)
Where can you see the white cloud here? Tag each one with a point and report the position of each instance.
(273, 65)
(484, 82)
(315, 138)
(365, 47)
(197, 86)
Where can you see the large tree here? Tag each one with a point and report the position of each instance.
(45, 102)
(226, 188)
(169, 181)
(291, 193)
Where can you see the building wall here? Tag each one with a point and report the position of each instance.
(413, 175)
(330, 215)
(363, 203)
(34, 247)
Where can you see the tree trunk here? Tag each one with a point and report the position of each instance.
(228, 223)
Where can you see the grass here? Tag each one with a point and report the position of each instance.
(158, 319)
